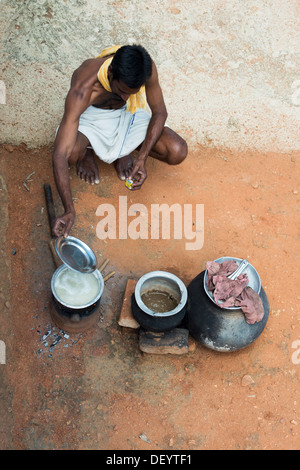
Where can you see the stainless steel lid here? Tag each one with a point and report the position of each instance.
(76, 254)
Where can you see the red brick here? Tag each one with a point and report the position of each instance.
(175, 341)
(126, 318)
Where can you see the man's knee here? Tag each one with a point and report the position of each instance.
(178, 151)
(74, 156)
(79, 148)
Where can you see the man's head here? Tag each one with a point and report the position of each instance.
(131, 65)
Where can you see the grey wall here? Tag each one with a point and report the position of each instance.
(229, 69)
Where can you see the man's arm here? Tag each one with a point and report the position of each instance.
(76, 103)
(156, 125)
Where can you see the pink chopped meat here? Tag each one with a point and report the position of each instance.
(228, 303)
(226, 288)
(233, 292)
(212, 267)
(221, 269)
(228, 267)
(251, 304)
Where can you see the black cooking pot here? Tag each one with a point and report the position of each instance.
(71, 321)
(219, 328)
(75, 312)
(71, 313)
(159, 321)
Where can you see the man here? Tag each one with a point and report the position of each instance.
(105, 114)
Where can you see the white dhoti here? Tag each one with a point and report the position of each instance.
(114, 133)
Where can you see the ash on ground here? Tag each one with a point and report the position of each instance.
(51, 337)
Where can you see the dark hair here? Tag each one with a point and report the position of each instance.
(132, 65)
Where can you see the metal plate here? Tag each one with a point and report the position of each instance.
(76, 254)
(254, 279)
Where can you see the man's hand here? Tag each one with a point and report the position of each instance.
(138, 174)
(63, 224)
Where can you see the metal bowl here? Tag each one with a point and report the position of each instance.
(254, 279)
(165, 281)
(159, 321)
(81, 307)
(76, 254)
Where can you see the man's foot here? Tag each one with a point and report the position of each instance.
(123, 167)
(87, 168)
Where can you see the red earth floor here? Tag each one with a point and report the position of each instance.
(96, 389)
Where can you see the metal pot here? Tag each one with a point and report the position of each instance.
(75, 312)
(165, 282)
(217, 328)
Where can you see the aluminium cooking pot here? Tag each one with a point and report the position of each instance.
(72, 311)
(159, 320)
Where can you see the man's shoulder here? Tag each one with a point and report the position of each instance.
(153, 79)
(86, 73)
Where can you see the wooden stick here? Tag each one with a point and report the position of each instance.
(109, 275)
(103, 265)
(58, 262)
(50, 206)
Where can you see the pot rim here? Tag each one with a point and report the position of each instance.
(96, 273)
(167, 275)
